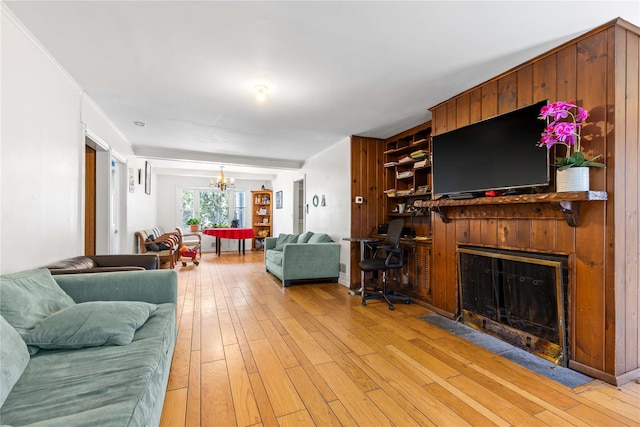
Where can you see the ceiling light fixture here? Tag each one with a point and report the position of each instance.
(261, 95)
(141, 124)
(221, 182)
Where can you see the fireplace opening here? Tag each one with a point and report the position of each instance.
(518, 296)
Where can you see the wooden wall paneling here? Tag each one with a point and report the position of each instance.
(617, 361)
(604, 250)
(524, 233)
(439, 265)
(543, 235)
(524, 90)
(507, 93)
(463, 112)
(488, 231)
(475, 232)
(507, 101)
(566, 74)
(475, 106)
(521, 230)
(617, 177)
(437, 117)
(507, 232)
(451, 301)
(565, 237)
(367, 181)
(544, 79)
(632, 221)
(490, 100)
(357, 210)
(592, 349)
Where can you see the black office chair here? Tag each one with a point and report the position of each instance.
(386, 257)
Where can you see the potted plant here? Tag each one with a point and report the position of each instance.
(563, 127)
(194, 224)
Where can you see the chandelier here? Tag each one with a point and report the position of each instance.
(221, 182)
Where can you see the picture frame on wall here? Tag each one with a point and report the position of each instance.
(132, 181)
(278, 199)
(147, 177)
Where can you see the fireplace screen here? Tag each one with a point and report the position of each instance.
(518, 296)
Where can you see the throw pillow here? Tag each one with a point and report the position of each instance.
(285, 238)
(30, 296)
(90, 324)
(13, 358)
(320, 238)
(304, 237)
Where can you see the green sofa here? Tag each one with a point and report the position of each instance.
(86, 349)
(308, 257)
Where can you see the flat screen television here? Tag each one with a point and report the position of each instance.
(500, 153)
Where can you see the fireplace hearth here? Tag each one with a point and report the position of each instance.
(518, 296)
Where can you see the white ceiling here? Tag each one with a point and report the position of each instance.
(334, 69)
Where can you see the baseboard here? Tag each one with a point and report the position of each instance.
(608, 378)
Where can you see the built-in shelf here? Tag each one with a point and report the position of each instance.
(568, 203)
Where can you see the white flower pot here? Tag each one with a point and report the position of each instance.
(572, 179)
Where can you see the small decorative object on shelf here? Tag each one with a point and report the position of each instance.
(564, 128)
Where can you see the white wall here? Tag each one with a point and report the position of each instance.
(327, 173)
(42, 144)
(41, 156)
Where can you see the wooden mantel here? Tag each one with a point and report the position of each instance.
(568, 203)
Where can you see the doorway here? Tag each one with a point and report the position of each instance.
(90, 201)
(298, 206)
(103, 198)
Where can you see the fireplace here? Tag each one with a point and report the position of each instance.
(520, 297)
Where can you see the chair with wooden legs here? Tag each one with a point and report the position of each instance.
(387, 256)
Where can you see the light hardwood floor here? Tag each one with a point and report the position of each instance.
(251, 353)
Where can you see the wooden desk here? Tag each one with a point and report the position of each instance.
(230, 233)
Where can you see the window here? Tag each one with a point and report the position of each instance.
(212, 207)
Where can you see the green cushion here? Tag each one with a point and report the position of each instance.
(285, 238)
(320, 238)
(14, 358)
(304, 237)
(30, 296)
(90, 324)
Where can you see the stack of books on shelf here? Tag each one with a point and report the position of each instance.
(390, 164)
(418, 155)
(406, 159)
(403, 175)
(420, 164)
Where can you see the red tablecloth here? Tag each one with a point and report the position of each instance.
(230, 233)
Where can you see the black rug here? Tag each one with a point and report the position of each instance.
(530, 361)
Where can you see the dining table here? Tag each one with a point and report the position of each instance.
(237, 233)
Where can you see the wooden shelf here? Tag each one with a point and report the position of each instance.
(261, 199)
(568, 203)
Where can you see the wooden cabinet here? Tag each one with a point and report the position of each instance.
(407, 177)
(416, 278)
(261, 217)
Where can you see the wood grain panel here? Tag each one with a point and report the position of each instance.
(591, 350)
(632, 208)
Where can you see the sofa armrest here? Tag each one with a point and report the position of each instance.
(154, 286)
(146, 261)
(270, 243)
